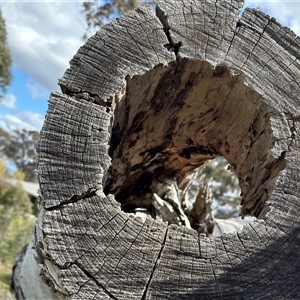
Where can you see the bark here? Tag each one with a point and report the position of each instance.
(168, 90)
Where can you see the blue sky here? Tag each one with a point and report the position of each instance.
(44, 35)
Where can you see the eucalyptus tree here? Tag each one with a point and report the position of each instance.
(5, 58)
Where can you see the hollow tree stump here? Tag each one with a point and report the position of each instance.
(146, 101)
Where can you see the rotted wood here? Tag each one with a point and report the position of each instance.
(145, 102)
(164, 137)
(201, 214)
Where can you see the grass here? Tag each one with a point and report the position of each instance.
(5, 276)
(17, 235)
(16, 227)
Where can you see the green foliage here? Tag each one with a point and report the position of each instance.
(14, 202)
(97, 14)
(3, 168)
(5, 275)
(17, 235)
(4, 136)
(16, 227)
(14, 196)
(35, 207)
(5, 58)
(224, 186)
(19, 148)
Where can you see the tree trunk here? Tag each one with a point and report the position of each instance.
(145, 102)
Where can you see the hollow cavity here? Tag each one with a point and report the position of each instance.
(171, 120)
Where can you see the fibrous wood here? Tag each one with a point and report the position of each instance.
(162, 93)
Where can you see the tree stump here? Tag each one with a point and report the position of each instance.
(146, 101)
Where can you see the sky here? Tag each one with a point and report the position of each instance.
(43, 36)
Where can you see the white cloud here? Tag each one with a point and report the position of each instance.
(33, 119)
(43, 37)
(24, 120)
(36, 91)
(295, 26)
(8, 101)
(9, 122)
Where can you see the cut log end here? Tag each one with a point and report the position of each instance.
(172, 114)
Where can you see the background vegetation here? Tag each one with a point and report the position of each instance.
(5, 58)
(16, 225)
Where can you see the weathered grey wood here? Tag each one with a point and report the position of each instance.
(231, 88)
(130, 45)
(27, 283)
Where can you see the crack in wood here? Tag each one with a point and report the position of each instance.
(155, 266)
(292, 128)
(89, 97)
(89, 275)
(91, 192)
(171, 46)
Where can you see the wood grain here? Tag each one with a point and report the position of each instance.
(232, 90)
